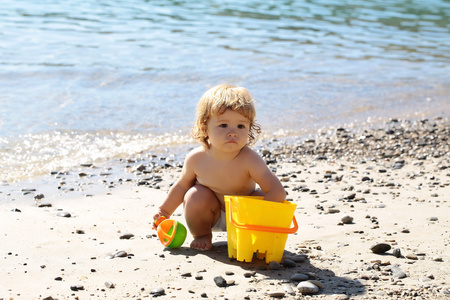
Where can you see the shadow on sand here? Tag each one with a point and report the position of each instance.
(331, 284)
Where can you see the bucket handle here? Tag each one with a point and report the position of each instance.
(262, 228)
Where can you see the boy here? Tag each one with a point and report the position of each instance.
(224, 165)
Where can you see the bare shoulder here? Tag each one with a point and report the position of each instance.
(249, 155)
(196, 152)
(195, 155)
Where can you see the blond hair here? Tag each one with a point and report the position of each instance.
(216, 101)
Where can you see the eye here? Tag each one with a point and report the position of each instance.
(223, 125)
(241, 126)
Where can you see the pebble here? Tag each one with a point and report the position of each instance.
(76, 288)
(380, 248)
(317, 283)
(411, 256)
(64, 214)
(397, 252)
(159, 291)
(249, 274)
(397, 272)
(347, 220)
(288, 289)
(220, 281)
(307, 288)
(287, 263)
(109, 285)
(120, 254)
(299, 277)
(299, 258)
(274, 265)
(276, 294)
(39, 197)
(126, 236)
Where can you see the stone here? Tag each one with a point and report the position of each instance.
(397, 252)
(159, 291)
(347, 220)
(317, 283)
(287, 263)
(380, 248)
(299, 277)
(274, 265)
(220, 281)
(288, 289)
(64, 214)
(126, 236)
(276, 294)
(109, 285)
(120, 254)
(398, 273)
(39, 197)
(411, 256)
(307, 288)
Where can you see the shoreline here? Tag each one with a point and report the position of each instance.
(391, 181)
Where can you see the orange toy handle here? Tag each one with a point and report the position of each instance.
(159, 220)
(263, 228)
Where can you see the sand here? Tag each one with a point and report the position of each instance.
(392, 184)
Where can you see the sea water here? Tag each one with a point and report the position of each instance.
(88, 81)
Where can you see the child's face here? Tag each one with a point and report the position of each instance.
(228, 132)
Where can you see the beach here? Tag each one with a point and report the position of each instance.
(372, 206)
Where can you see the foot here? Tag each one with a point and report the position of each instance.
(202, 243)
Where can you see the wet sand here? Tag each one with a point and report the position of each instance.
(86, 233)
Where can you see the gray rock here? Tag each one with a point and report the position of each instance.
(287, 263)
(397, 252)
(307, 288)
(288, 289)
(398, 273)
(299, 277)
(298, 258)
(347, 220)
(274, 265)
(220, 281)
(109, 285)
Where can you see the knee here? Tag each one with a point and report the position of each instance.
(199, 198)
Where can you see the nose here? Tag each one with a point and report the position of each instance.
(232, 134)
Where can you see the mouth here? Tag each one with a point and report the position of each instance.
(232, 142)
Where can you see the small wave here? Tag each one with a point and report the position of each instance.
(36, 154)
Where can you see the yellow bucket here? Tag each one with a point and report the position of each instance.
(258, 226)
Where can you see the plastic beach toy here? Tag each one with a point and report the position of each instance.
(258, 226)
(171, 233)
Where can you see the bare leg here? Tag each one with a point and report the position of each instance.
(202, 211)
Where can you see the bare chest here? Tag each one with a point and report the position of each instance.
(230, 178)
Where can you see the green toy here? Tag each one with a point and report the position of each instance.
(171, 233)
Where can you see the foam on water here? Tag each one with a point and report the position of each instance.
(37, 154)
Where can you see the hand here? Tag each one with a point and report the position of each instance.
(161, 214)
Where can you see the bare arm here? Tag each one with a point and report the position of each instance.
(266, 180)
(176, 193)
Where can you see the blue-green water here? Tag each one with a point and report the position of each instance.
(83, 81)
